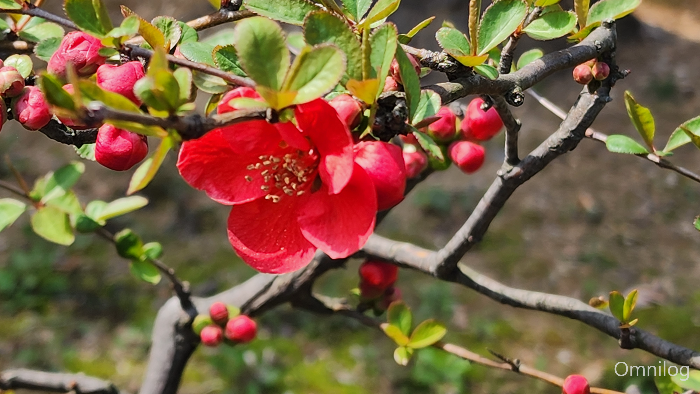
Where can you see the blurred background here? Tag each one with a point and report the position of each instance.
(590, 223)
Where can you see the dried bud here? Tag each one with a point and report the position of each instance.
(241, 329)
(119, 149)
(444, 129)
(479, 124)
(80, 49)
(415, 160)
(378, 275)
(600, 71)
(31, 109)
(211, 335)
(349, 110)
(11, 82)
(583, 74)
(219, 313)
(576, 384)
(390, 85)
(121, 79)
(384, 164)
(468, 156)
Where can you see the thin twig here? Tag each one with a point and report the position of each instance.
(512, 126)
(30, 9)
(18, 379)
(12, 188)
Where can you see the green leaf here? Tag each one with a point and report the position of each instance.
(220, 38)
(200, 52)
(394, 332)
(46, 48)
(641, 118)
(57, 183)
(428, 106)
(128, 28)
(399, 315)
(87, 151)
(209, 83)
(145, 271)
(94, 209)
(498, 22)
(295, 40)
(628, 307)
(545, 3)
(153, 250)
(406, 38)
(159, 90)
(679, 137)
(262, 50)
(188, 34)
(41, 32)
(22, 63)
(581, 7)
(150, 33)
(453, 41)
(10, 210)
(147, 170)
(54, 93)
(411, 83)
(695, 139)
(84, 13)
(322, 27)
(91, 92)
(102, 15)
(665, 385)
(689, 381)
(201, 321)
(53, 225)
(617, 302)
(226, 59)
(170, 28)
(383, 43)
(183, 75)
(85, 224)
(356, 9)
(623, 144)
(67, 202)
(428, 145)
(528, 57)
(611, 9)
(402, 355)
(120, 207)
(128, 244)
(10, 4)
(315, 72)
(426, 334)
(287, 11)
(381, 10)
(551, 25)
(487, 70)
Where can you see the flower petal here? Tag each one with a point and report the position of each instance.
(267, 237)
(293, 136)
(208, 163)
(339, 224)
(332, 139)
(255, 137)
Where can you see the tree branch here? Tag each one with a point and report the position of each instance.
(16, 379)
(31, 10)
(512, 126)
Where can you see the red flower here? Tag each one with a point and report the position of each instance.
(292, 188)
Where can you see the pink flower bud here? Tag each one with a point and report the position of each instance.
(390, 85)
(31, 109)
(72, 123)
(241, 329)
(349, 110)
(121, 79)
(600, 71)
(384, 164)
(394, 69)
(11, 81)
(479, 124)
(468, 156)
(415, 160)
(80, 49)
(211, 335)
(583, 74)
(378, 274)
(576, 384)
(118, 149)
(444, 129)
(218, 313)
(224, 106)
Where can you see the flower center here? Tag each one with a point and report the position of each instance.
(290, 174)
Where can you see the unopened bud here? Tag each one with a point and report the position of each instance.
(349, 110)
(31, 109)
(583, 74)
(241, 329)
(219, 313)
(119, 149)
(212, 335)
(600, 71)
(11, 82)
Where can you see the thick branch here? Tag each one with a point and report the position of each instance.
(16, 379)
(60, 133)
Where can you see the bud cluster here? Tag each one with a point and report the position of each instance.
(224, 324)
(586, 72)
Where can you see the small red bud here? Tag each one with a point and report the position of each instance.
(479, 124)
(31, 109)
(468, 156)
(241, 329)
(416, 161)
(576, 384)
(11, 81)
(443, 130)
(349, 110)
(219, 313)
(119, 149)
(211, 335)
(72, 123)
(80, 49)
(384, 164)
(121, 79)
(583, 74)
(378, 275)
(600, 71)
(394, 68)
(390, 85)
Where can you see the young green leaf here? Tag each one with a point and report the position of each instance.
(381, 10)
(22, 63)
(200, 52)
(46, 48)
(188, 34)
(129, 245)
(170, 28)
(356, 9)
(406, 38)
(262, 50)
(322, 27)
(394, 332)
(628, 307)
(57, 183)
(41, 32)
(428, 145)
(183, 76)
(147, 170)
(120, 207)
(399, 315)
(367, 90)
(453, 41)
(88, 15)
(315, 72)
(287, 11)
(679, 137)
(402, 355)
(617, 304)
(226, 59)
(10, 4)
(383, 43)
(209, 83)
(545, 3)
(428, 105)
(487, 70)
(86, 152)
(528, 57)
(145, 271)
(641, 118)
(664, 384)
(611, 9)
(689, 381)
(153, 250)
(426, 334)
(67, 202)
(551, 25)
(499, 21)
(91, 92)
(10, 210)
(581, 7)
(695, 139)
(54, 93)
(411, 83)
(623, 144)
(53, 225)
(150, 33)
